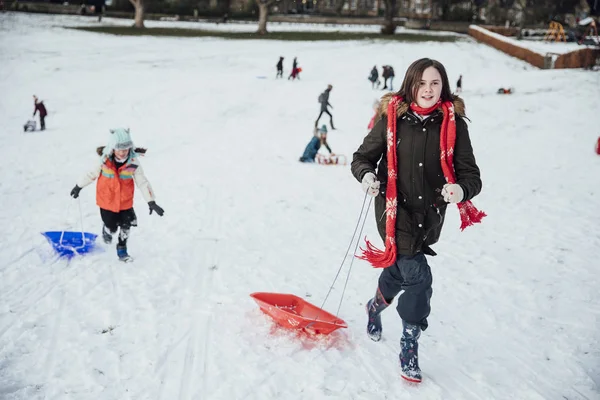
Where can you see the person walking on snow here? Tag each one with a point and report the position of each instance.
(117, 170)
(279, 68)
(459, 85)
(374, 77)
(391, 76)
(312, 148)
(324, 100)
(295, 72)
(388, 73)
(39, 106)
(416, 159)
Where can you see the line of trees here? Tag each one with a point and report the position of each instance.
(496, 11)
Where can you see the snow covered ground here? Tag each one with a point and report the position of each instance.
(516, 310)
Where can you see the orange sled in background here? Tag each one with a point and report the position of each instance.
(292, 312)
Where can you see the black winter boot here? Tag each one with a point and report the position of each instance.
(374, 307)
(106, 235)
(122, 246)
(409, 353)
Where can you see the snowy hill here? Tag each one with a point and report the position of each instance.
(515, 311)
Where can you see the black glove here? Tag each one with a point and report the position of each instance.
(75, 192)
(155, 207)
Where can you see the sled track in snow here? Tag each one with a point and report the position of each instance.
(38, 293)
(52, 343)
(199, 279)
(19, 257)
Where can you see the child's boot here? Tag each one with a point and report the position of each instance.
(374, 308)
(409, 352)
(106, 235)
(122, 246)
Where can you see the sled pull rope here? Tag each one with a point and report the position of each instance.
(66, 215)
(360, 216)
(81, 221)
(353, 255)
(62, 234)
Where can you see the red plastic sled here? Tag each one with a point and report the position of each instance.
(292, 312)
(331, 159)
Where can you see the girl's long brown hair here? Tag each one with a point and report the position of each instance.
(414, 73)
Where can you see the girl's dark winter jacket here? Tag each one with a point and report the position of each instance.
(421, 208)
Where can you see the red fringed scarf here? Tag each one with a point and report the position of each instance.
(469, 215)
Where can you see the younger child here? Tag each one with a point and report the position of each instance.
(312, 148)
(117, 170)
(39, 106)
(279, 68)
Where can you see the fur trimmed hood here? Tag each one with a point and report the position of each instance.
(459, 106)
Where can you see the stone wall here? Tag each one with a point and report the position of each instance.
(531, 57)
(582, 58)
(501, 30)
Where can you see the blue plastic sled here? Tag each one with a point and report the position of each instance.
(68, 244)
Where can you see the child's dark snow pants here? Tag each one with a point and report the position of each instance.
(124, 219)
(412, 275)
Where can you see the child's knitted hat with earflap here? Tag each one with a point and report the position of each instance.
(119, 139)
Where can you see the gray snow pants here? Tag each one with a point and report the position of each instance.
(412, 275)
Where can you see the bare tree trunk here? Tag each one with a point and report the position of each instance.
(263, 13)
(139, 12)
(339, 6)
(389, 27)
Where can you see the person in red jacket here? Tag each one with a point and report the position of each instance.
(118, 172)
(39, 106)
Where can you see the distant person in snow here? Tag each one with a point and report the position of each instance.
(324, 101)
(312, 148)
(374, 77)
(279, 68)
(117, 170)
(388, 73)
(376, 104)
(99, 9)
(391, 76)
(39, 106)
(413, 175)
(459, 85)
(295, 70)
(505, 91)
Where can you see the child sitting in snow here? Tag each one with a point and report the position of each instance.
(319, 139)
(117, 170)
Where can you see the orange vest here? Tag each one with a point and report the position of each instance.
(114, 191)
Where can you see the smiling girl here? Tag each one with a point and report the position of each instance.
(117, 171)
(416, 159)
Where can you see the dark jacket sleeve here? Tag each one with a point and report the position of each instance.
(369, 153)
(467, 171)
